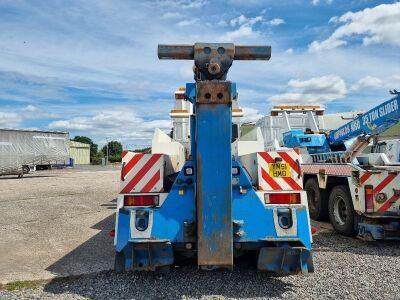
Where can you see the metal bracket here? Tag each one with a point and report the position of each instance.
(214, 92)
(213, 60)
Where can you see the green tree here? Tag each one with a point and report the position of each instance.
(86, 140)
(114, 151)
(97, 158)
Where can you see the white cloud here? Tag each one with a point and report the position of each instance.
(242, 32)
(276, 22)
(222, 23)
(371, 82)
(180, 4)
(238, 20)
(289, 51)
(123, 125)
(245, 29)
(316, 2)
(377, 25)
(29, 108)
(10, 119)
(367, 82)
(184, 23)
(172, 15)
(251, 114)
(317, 89)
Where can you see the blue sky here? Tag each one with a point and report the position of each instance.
(91, 67)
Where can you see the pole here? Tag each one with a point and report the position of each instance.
(107, 153)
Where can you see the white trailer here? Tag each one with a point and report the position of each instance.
(20, 149)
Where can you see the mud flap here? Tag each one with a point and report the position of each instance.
(150, 256)
(285, 260)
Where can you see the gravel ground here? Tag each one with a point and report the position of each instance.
(345, 268)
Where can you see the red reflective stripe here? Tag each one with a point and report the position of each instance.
(297, 150)
(384, 183)
(130, 164)
(292, 183)
(388, 204)
(364, 177)
(153, 159)
(152, 182)
(268, 158)
(125, 152)
(286, 157)
(270, 181)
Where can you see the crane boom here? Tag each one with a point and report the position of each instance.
(372, 122)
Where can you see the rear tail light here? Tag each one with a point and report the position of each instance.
(141, 200)
(290, 198)
(369, 198)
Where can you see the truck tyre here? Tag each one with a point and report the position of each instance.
(317, 200)
(119, 263)
(310, 264)
(341, 210)
(25, 169)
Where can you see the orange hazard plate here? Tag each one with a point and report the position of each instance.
(279, 170)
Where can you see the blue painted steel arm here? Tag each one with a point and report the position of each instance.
(372, 122)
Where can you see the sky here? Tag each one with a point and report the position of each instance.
(91, 68)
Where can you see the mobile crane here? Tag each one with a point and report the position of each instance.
(360, 192)
(204, 203)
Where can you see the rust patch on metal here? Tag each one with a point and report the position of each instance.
(175, 52)
(214, 92)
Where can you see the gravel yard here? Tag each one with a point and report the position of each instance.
(344, 267)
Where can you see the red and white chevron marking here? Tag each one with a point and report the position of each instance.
(141, 172)
(267, 182)
(386, 183)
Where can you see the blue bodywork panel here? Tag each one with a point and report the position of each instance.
(315, 143)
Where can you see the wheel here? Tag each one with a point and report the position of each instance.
(341, 211)
(310, 264)
(317, 200)
(25, 169)
(119, 263)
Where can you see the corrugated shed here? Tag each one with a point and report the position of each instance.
(80, 152)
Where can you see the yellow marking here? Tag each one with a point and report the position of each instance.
(279, 170)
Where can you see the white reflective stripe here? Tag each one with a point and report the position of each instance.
(139, 165)
(128, 156)
(158, 165)
(146, 178)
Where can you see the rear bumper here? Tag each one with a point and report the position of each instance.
(372, 232)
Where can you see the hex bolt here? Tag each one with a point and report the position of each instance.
(214, 68)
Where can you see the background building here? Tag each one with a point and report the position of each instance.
(80, 153)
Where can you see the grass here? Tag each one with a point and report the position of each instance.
(18, 285)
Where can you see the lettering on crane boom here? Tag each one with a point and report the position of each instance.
(370, 119)
(279, 170)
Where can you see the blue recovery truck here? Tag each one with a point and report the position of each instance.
(208, 206)
(360, 192)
